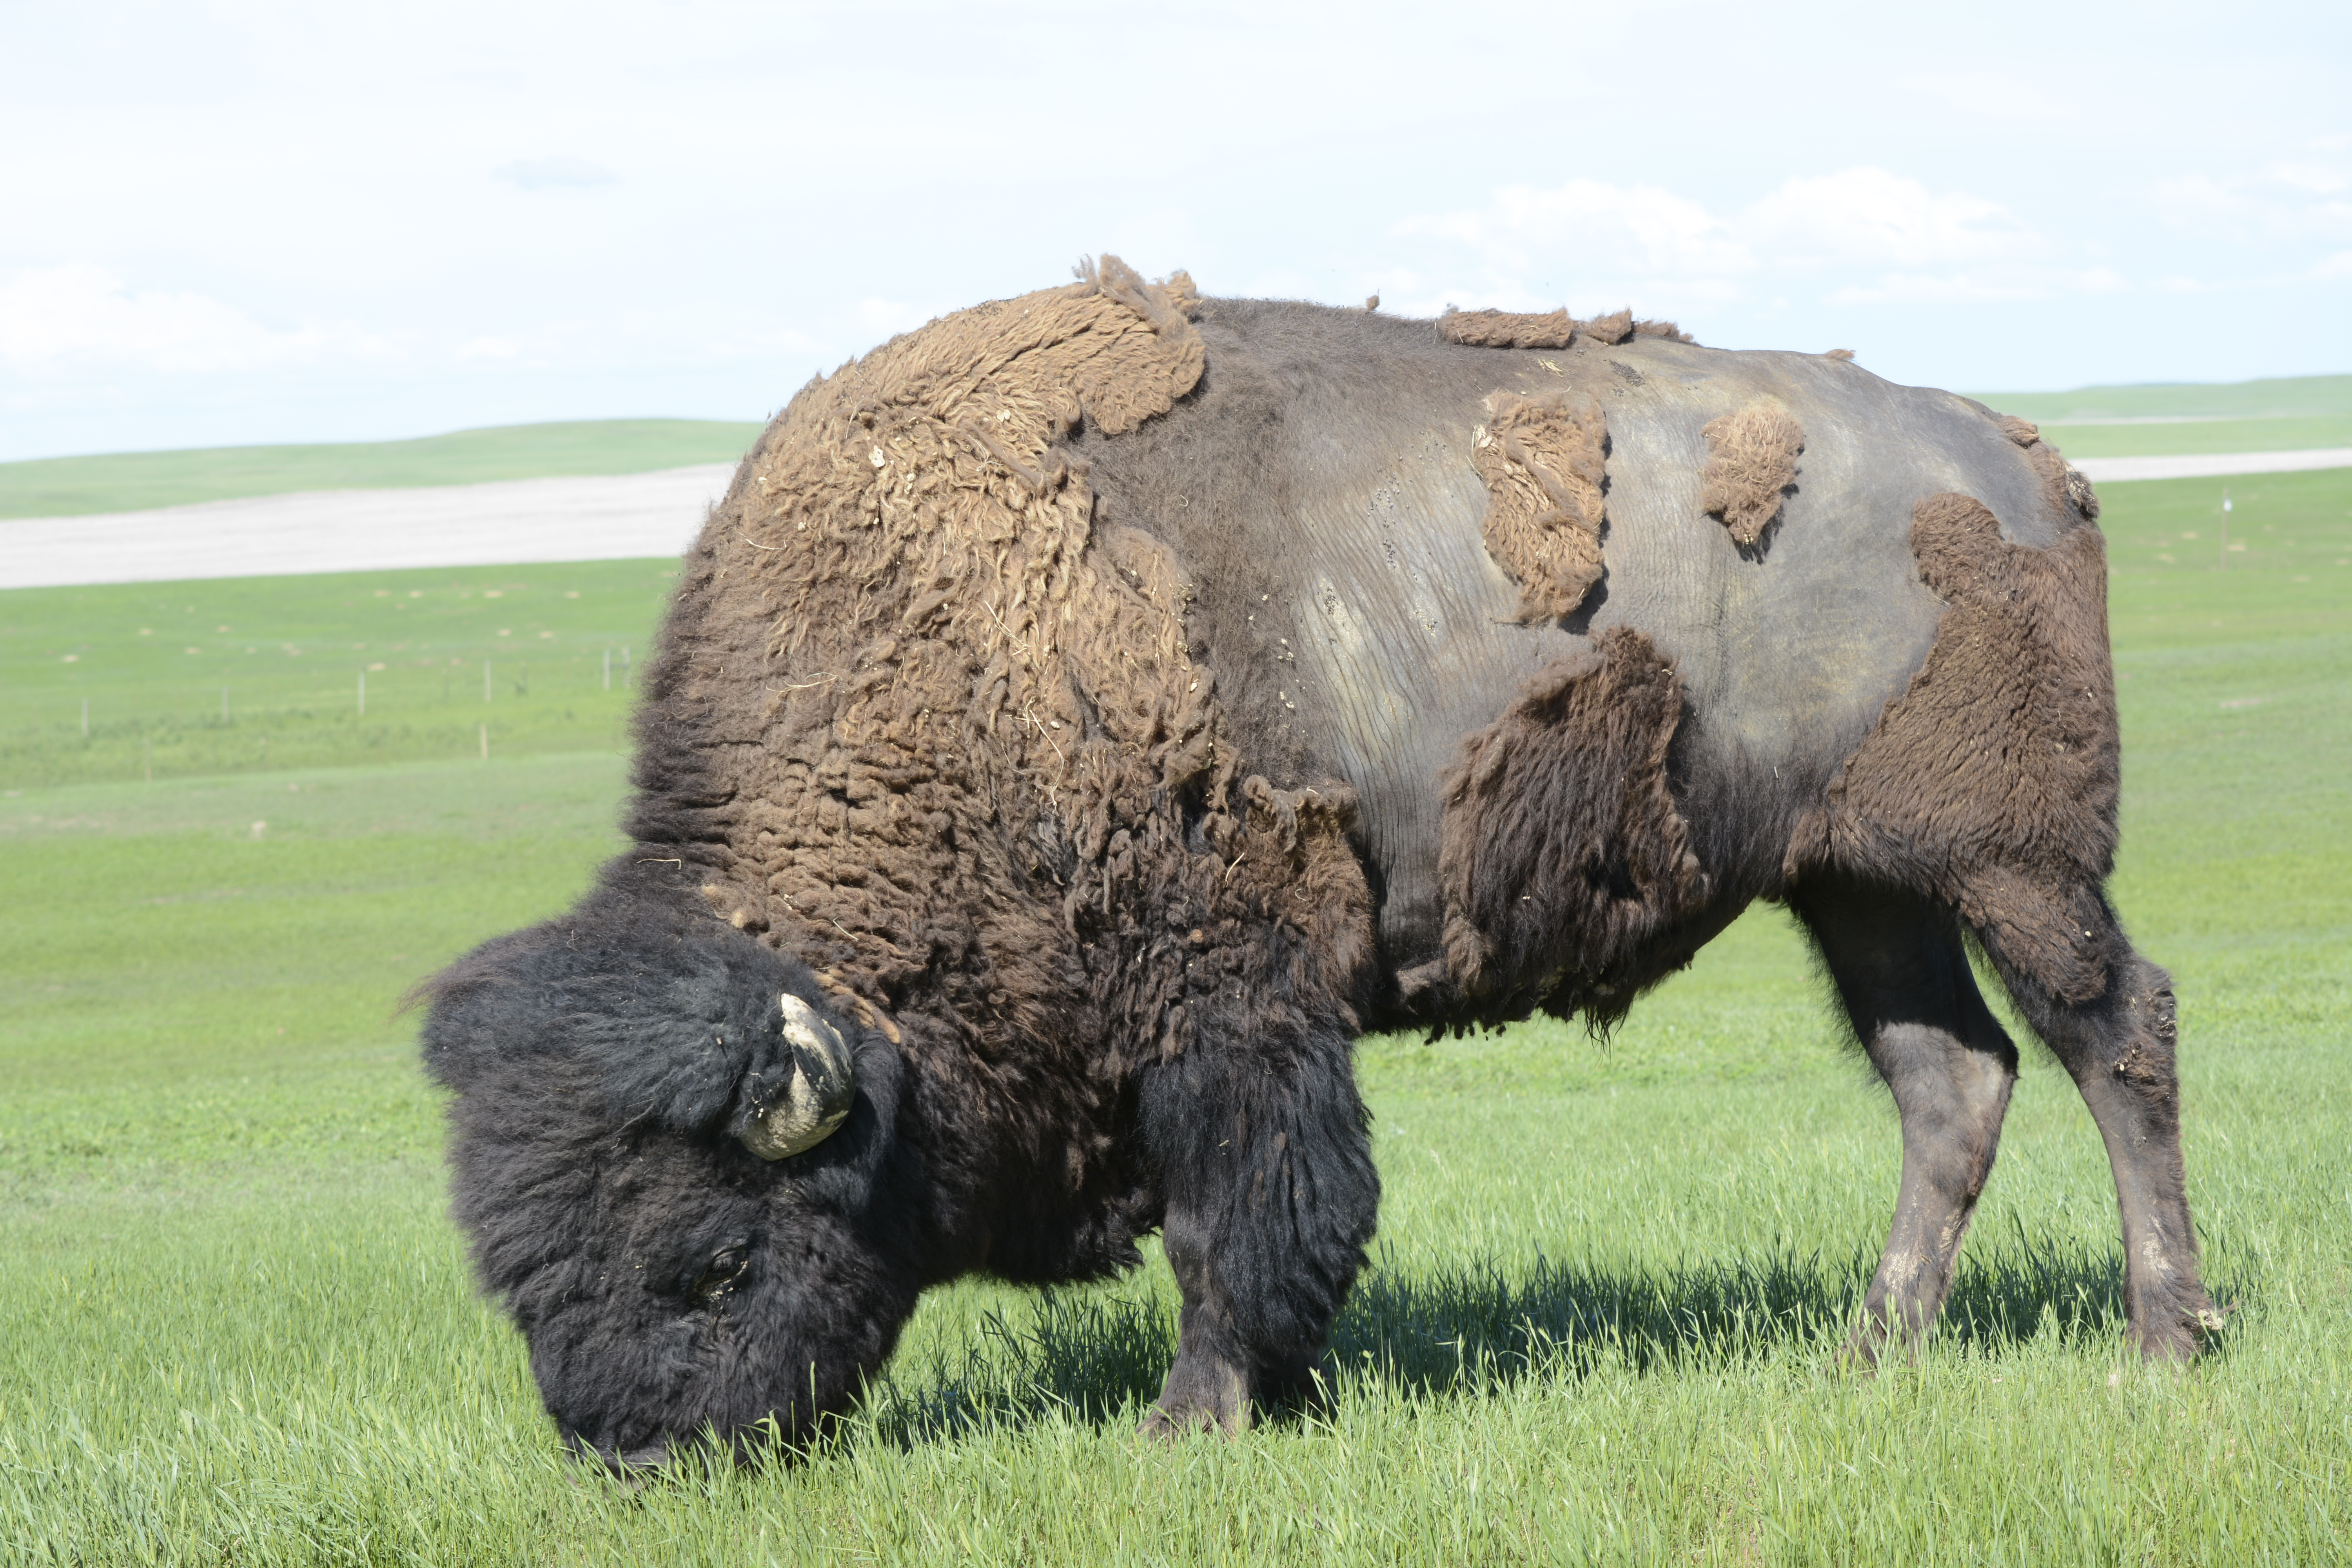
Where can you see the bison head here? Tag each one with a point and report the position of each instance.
(685, 1174)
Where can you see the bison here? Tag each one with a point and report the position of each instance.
(1084, 715)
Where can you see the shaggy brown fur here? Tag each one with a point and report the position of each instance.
(946, 732)
(1547, 329)
(1506, 328)
(1839, 353)
(1751, 462)
(1543, 464)
(1565, 859)
(1991, 781)
(1610, 329)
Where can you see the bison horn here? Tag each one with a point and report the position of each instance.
(817, 1098)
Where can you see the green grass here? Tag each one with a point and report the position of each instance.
(2281, 415)
(236, 1325)
(132, 481)
(2304, 397)
(2205, 435)
(238, 674)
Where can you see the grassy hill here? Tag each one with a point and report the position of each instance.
(2279, 415)
(129, 481)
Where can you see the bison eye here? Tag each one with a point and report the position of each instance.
(724, 1270)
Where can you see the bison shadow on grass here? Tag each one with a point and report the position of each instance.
(1458, 1333)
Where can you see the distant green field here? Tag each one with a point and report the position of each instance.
(2282, 416)
(2214, 436)
(238, 673)
(235, 1326)
(132, 481)
(2295, 397)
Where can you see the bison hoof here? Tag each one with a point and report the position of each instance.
(1197, 1397)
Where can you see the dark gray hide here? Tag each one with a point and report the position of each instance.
(1361, 629)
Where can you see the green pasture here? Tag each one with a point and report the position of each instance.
(2285, 415)
(236, 674)
(2280, 397)
(132, 481)
(235, 1325)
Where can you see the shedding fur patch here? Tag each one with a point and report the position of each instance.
(1543, 461)
(1991, 783)
(946, 742)
(1564, 857)
(1751, 462)
(1612, 329)
(1547, 329)
(1506, 328)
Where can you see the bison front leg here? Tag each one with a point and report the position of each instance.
(1264, 1157)
(1900, 969)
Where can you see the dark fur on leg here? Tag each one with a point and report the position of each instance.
(1263, 1151)
(2119, 1049)
(1901, 970)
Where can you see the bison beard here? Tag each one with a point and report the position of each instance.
(991, 904)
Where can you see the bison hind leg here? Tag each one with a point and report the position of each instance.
(1901, 970)
(2117, 1043)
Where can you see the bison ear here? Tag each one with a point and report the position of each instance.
(800, 1113)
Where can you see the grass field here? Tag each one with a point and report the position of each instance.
(2286, 398)
(236, 1326)
(132, 481)
(2281, 415)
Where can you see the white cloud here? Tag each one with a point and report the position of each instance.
(1661, 250)
(1980, 286)
(2304, 199)
(556, 174)
(57, 314)
(1605, 228)
(1875, 217)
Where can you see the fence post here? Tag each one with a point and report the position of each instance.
(485, 743)
(362, 693)
(608, 669)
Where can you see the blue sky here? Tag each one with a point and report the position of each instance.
(257, 222)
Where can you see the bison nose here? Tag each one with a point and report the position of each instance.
(630, 1464)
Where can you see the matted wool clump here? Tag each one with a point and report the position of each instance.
(1751, 462)
(1507, 329)
(1547, 329)
(1543, 460)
